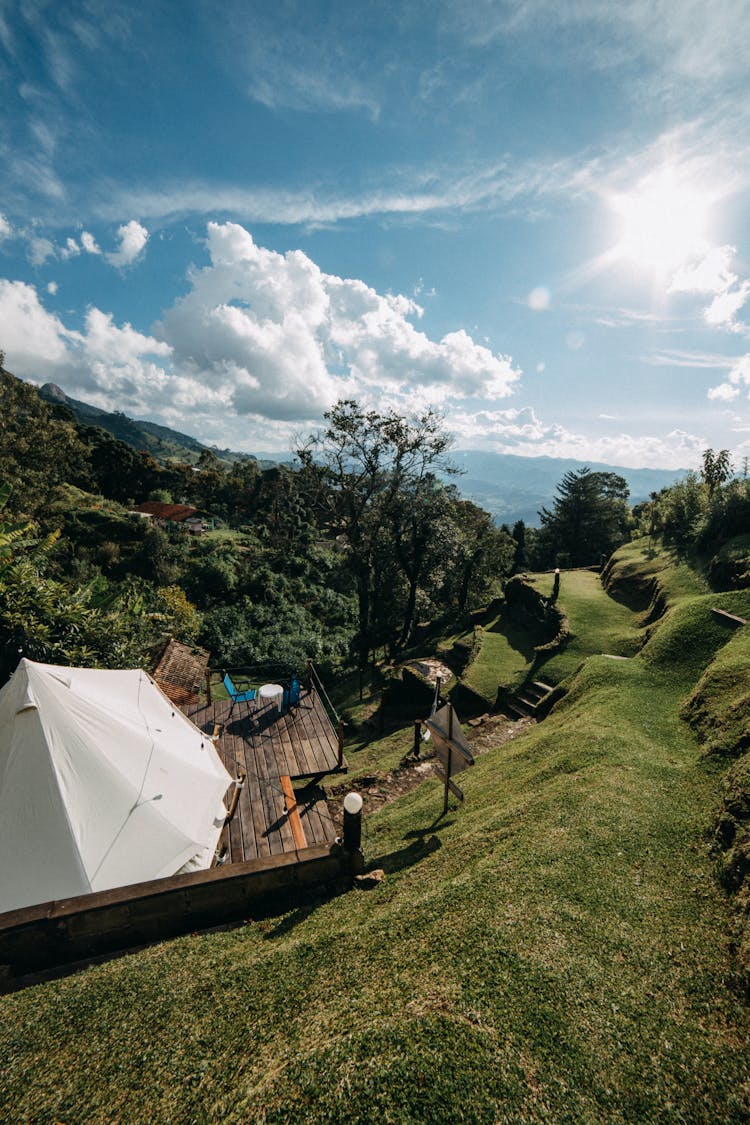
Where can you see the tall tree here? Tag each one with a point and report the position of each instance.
(590, 517)
(716, 470)
(379, 473)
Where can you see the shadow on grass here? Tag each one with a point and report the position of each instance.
(417, 850)
(520, 639)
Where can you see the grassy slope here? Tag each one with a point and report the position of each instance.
(554, 950)
(598, 623)
(504, 658)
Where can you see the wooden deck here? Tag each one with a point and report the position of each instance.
(271, 751)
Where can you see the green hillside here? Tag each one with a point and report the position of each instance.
(557, 949)
(161, 442)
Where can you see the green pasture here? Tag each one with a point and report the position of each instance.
(555, 950)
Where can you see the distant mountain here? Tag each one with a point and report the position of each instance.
(515, 488)
(161, 442)
(509, 487)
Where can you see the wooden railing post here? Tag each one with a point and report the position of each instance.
(340, 732)
(309, 674)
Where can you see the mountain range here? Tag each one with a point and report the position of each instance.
(510, 487)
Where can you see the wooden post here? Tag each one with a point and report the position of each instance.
(450, 759)
(340, 733)
(309, 674)
(208, 685)
(417, 736)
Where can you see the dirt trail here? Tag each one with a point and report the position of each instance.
(379, 788)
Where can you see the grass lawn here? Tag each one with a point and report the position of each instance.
(557, 949)
(504, 659)
(599, 624)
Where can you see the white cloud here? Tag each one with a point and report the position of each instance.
(724, 307)
(737, 380)
(132, 238)
(5, 228)
(103, 340)
(289, 339)
(523, 433)
(724, 392)
(88, 242)
(711, 273)
(71, 249)
(695, 360)
(260, 342)
(40, 249)
(36, 343)
(52, 288)
(684, 39)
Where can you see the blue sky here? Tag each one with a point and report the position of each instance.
(531, 216)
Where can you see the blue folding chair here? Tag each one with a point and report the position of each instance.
(291, 693)
(235, 695)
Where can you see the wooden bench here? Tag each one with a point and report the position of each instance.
(292, 811)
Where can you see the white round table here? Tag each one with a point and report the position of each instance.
(272, 694)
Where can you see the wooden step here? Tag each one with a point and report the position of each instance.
(519, 712)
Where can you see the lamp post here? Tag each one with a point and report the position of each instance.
(352, 822)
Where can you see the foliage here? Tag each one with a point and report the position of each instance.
(37, 451)
(413, 544)
(589, 519)
(717, 469)
(700, 512)
(9, 533)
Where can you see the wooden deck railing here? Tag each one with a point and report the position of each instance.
(315, 683)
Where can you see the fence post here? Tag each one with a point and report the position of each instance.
(309, 674)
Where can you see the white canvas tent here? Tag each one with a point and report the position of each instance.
(103, 782)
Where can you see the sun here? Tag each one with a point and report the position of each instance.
(662, 222)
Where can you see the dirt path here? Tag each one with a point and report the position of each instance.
(379, 789)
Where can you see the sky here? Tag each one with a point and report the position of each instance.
(529, 216)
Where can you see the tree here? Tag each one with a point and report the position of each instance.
(717, 469)
(589, 519)
(520, 558)
(378, 478)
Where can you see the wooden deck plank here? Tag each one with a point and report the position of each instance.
(266, 746)
(305, 761)
(263, 814)
(323, 737)
(287, 758)
(315, 816)
(270, 786)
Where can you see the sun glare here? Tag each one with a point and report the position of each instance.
(662, 222)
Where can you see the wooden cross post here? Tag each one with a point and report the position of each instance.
(448, 762)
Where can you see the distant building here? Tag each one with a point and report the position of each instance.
(177, 515)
